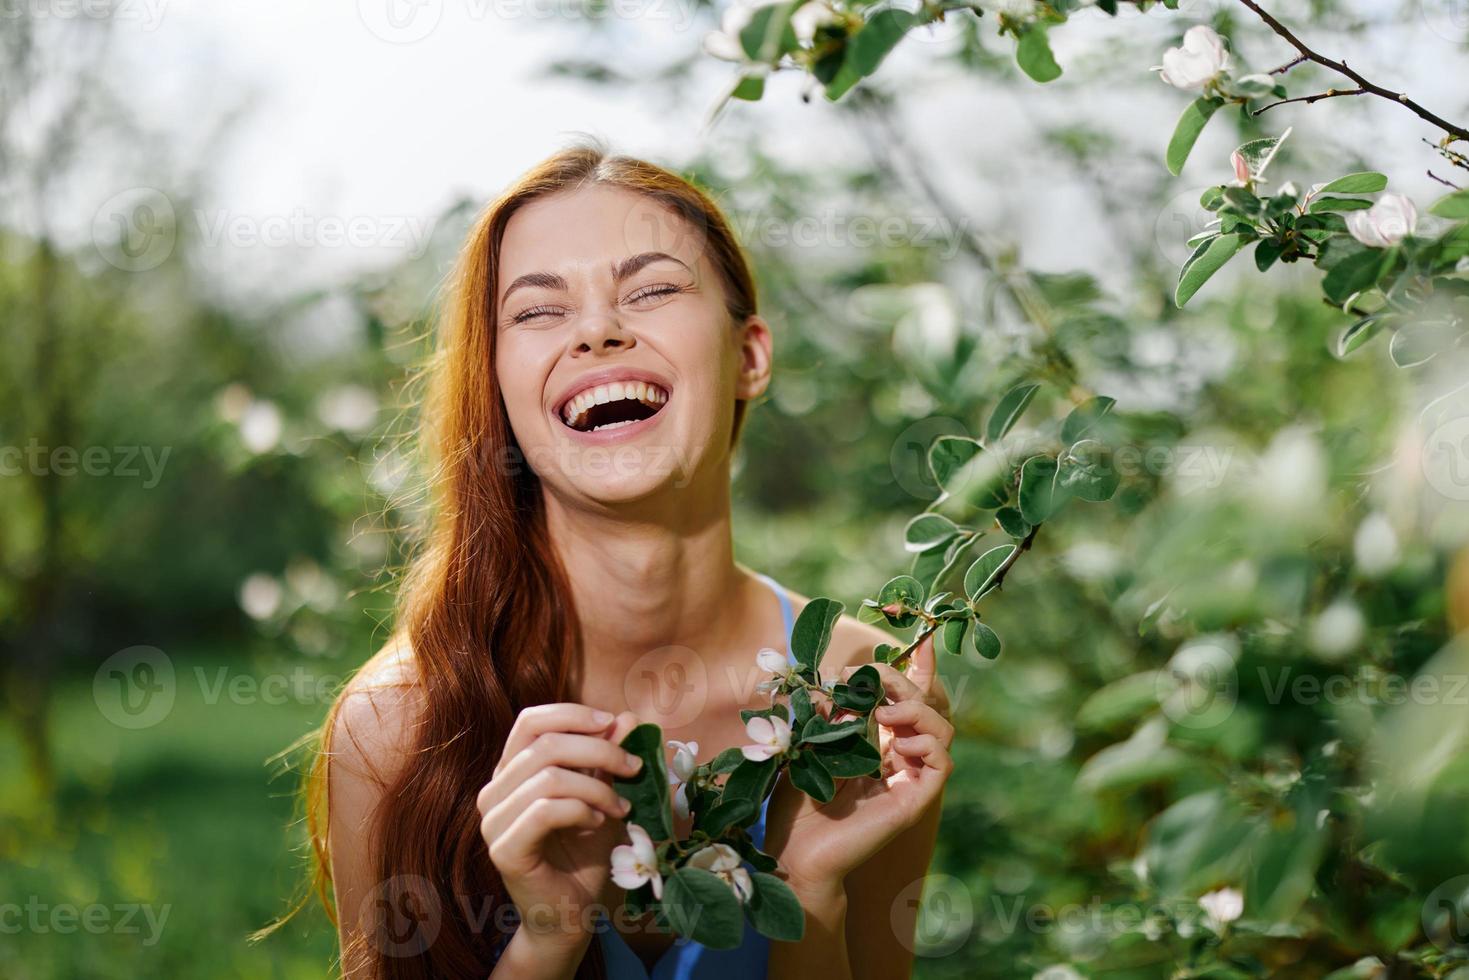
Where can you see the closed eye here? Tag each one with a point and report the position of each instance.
(654, 291)
(534, 313)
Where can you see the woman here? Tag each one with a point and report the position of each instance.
(594, 370)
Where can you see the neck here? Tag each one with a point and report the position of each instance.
(654, 574)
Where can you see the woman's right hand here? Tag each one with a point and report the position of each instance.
(551, 816)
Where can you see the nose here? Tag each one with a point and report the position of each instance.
(599, 332)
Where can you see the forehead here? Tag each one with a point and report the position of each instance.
(588, 229)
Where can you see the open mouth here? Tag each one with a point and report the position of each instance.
(613, 405)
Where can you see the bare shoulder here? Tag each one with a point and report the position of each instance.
(852, 640)
(376, 715)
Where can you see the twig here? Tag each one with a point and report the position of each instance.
(1330, 93)
(1446, 183)
(1298, 59)
(1369, 88)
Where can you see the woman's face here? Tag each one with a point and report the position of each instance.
(615, 353)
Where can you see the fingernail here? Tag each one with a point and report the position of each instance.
(602, 717)
(625, 805)
(634, 762)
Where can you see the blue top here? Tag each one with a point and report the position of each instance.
(686, 959)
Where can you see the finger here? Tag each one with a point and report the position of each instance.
(924, 748)
(622, 725)
(520, 843)
(923, 671)
(536, 721)
(915, 717)
(563, 749)
(554, 783)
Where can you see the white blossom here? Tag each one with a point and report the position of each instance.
(680, 771)
(1386, 223)
(1199, 61)
(636, 863)
(724, 861)
(769, 737)
(1375, 546)
(1223, 906)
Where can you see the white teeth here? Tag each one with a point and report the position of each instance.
(614, 391)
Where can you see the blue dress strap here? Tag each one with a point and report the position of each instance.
(785, 611)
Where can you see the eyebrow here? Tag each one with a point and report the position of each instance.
(621, 272)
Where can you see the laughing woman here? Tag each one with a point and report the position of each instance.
(597, 360)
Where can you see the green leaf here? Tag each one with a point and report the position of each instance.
(647, 790)
(750, 88)
(951, 636)
(812, 633)
(1012, 523)
(1352, 275)
(1038, 488)
(819, 730)
(727, 813)
(1359, 333)
(1267, 252)
(980, 578)
(904, 590)
(860, 693)
(868, 47)
(774, 910)
(726, 761)
(1453, 206)
(1087, 472)
(1084, 417)
(927, 531)
(1123, 700)
(750, 780)
(1008, 411)
(1034, 56)
(851, 757)
(986, 642)
(948, 454)
(1186, 133)
(758, 859)
(1337, 204)
(801, 709)
(1366, 182)
(701, 906)
(1211, 260)
(768, 34)
(810, 777)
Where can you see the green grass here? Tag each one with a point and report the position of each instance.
(184, 818)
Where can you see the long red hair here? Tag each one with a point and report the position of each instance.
(485, 607)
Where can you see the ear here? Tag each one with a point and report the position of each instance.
(756, 361)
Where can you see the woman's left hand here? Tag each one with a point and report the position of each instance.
(819, 844)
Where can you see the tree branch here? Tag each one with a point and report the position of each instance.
(1330, 93)
(1369, 88)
